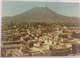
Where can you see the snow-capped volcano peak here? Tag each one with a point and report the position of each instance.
(41, 6)
(41, 14)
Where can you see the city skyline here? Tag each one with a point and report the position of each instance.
(12, 8)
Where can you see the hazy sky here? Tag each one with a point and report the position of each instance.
(11, 8)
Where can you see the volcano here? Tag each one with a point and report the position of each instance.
(38, 14)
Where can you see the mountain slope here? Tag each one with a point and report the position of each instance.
(40, 13)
